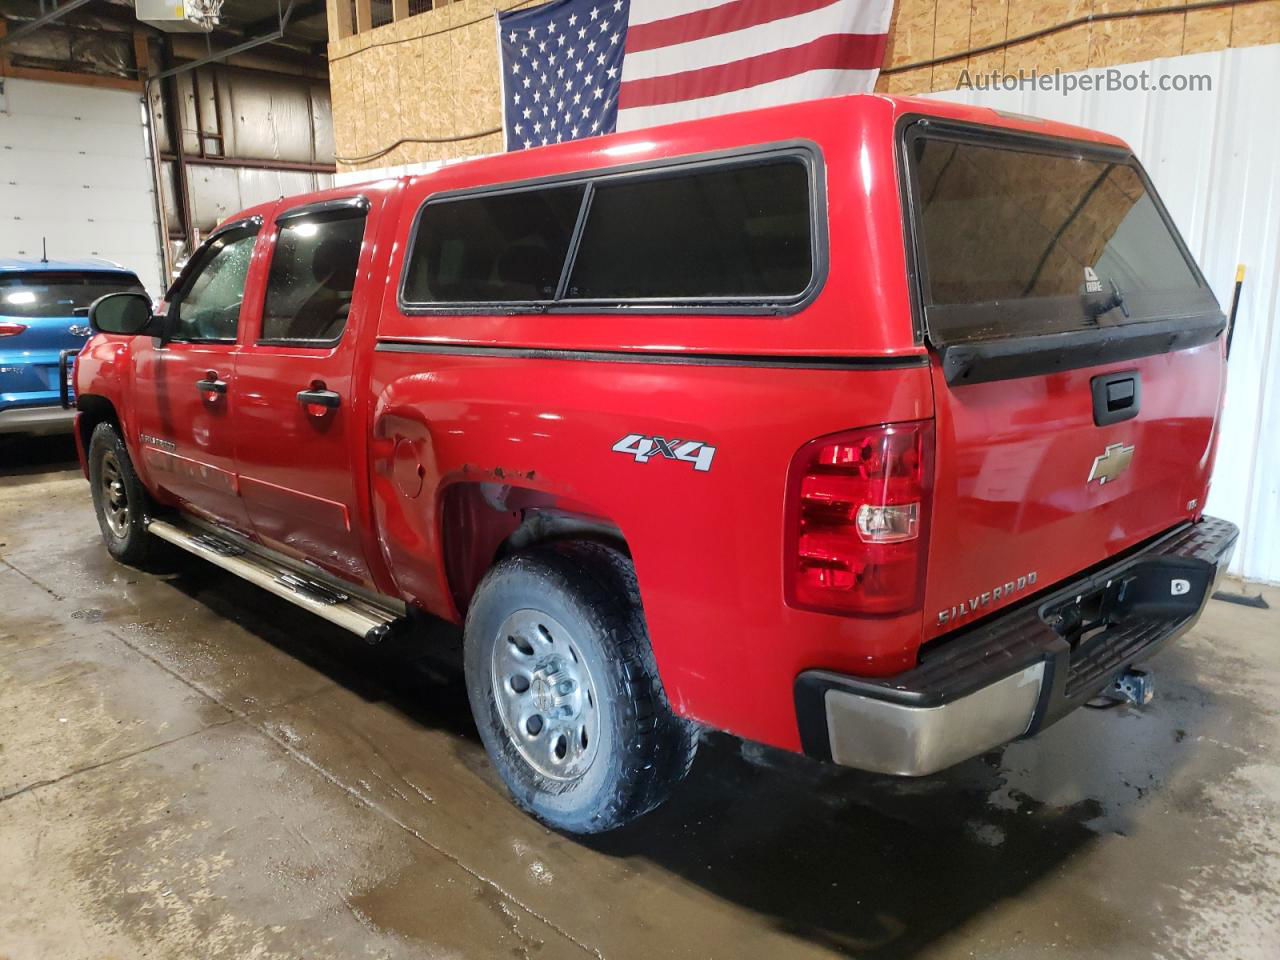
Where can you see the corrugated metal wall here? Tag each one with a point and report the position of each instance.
(247, 136)
(1215, 158)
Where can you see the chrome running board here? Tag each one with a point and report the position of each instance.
(368, 620)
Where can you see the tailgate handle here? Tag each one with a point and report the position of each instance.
(1116, 397)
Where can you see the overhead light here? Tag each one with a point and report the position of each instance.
(181, 16)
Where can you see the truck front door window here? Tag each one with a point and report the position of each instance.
(208, 309)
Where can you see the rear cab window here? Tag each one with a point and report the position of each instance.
(1024, 239)
(739, 233)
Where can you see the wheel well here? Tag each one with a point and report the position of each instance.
(483, 522)
(93, 411)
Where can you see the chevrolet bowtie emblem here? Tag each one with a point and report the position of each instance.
(1113, 462)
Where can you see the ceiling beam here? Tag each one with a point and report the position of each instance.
(301, 12)
(57, 13)
(276, 34)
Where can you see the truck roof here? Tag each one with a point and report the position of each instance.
(772, 119)
(87, 265)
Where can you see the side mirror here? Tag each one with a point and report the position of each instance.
(127, 314)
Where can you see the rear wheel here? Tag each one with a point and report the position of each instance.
(119, 499)
(565, 692)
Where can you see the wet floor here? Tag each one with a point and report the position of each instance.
(191, 767)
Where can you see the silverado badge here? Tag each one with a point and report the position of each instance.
(980, 601)
(1113, 462)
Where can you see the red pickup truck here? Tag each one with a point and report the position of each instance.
(877, 429)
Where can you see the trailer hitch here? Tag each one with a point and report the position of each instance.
(1134, 687)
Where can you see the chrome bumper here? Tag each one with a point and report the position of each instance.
(1017, 672)
(886, 737)
(39, 420)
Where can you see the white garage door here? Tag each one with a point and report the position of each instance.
(74, 169)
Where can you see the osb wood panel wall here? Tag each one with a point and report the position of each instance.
(928, 29)
(434, 76)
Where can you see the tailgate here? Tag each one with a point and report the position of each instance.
(1077, 367)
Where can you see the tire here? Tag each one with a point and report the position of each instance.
(571, 612)
(119, 499)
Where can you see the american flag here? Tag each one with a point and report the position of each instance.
(574, 68)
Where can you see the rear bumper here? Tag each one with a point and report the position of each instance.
(42, 420)
(1015, 673)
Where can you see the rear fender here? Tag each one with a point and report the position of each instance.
(483, 522)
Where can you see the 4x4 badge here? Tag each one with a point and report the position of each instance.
(1114, 461)
(645, 448)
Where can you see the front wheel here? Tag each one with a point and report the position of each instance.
(565, 692)
(119, 499)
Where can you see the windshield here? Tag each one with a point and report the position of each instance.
(48, 294)
(1019, 242)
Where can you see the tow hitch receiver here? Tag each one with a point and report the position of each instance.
(1132, 686)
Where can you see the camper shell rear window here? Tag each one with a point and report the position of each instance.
(728, 234)
(1021, 237)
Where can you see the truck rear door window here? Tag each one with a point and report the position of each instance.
(723, 233)
(496, 248)
(1015, 242)
(313, 275)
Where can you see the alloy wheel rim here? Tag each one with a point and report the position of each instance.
(545, 695)
(115, 499)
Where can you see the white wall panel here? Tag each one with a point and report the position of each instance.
(1215, 158)
(74, 169)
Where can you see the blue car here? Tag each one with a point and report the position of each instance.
(43, 304)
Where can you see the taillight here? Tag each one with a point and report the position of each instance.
(857, 519)
(11, 329)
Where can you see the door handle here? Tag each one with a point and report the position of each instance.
(319, 397)
(211, 384)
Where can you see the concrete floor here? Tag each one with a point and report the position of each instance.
(192, 768)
